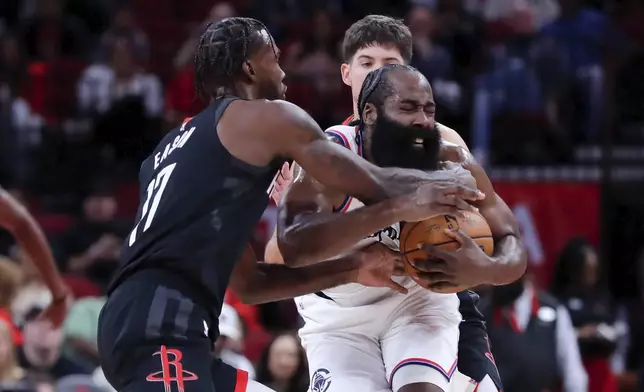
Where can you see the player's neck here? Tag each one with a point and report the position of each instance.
(244, 91)
(355, 111)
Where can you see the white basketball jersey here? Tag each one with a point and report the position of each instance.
(354, 294)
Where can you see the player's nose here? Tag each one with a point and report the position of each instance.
(422, 120)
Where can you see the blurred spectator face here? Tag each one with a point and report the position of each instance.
(283, 358)
(123, 60)
(41, 340)
(421, 22)
(591, 268)
(50, 9)
(322, 29)
(222, 11)
(11, 56)
(366, 60)
(124, 19)
(100, 208)
(45, 387)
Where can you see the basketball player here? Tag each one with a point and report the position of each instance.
(369, 44)
(390, 342)
(203, 189)
(16, 219)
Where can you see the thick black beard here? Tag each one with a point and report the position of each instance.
(394, 145)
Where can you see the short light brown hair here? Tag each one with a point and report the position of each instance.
(377, 30)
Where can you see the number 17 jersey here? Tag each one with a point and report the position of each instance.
(198, 208)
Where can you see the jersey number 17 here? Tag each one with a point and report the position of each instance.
(152, 200)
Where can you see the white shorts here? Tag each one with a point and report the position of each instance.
(389, 345)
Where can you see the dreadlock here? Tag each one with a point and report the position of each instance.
(377, 85)
(223, 48)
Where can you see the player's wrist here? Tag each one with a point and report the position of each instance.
(492, 272)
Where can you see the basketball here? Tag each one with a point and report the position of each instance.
(432, 231)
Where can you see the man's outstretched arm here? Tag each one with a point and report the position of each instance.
(17, 220)
(259, 282)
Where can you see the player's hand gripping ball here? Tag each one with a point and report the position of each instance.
(415, 235)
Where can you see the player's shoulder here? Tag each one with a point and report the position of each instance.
(275, 114)
(276, 110)
(453, 147)
(450, 135)
(341, 134)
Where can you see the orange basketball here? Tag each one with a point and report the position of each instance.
(432, 231)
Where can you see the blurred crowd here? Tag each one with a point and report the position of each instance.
(87, 87)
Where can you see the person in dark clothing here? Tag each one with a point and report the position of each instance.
(576, 284)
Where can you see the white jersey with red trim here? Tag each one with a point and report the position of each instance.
(372, 339)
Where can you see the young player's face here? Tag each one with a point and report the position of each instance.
(366, 60)
(267, 71)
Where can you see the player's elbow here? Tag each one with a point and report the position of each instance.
(272, 252)
(296, 250)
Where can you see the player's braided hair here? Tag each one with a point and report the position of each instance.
(223, 48)
(377, 86)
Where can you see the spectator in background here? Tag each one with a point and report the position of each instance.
(433, 60)
(186, 54)
(19, 125)
(51, 33)
(181, 100)
(31, 292)
(283, 365)
(125, 102)
(92, 246)
(316, 56)
(124, 26)
(41, 352)
(576, 285)
(584, 36)
(11, 375)
(314, 61)
(10, 279)
(230, 342)
(102, 86)
(81, 328)
(534, 341)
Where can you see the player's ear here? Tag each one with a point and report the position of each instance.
(345, 71)
(248, 70)
(370, 114)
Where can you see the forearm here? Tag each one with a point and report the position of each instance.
(276, 282)
(321, 236)
(344, 172)
(393, 182)
(509, 260)
(32, 240)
